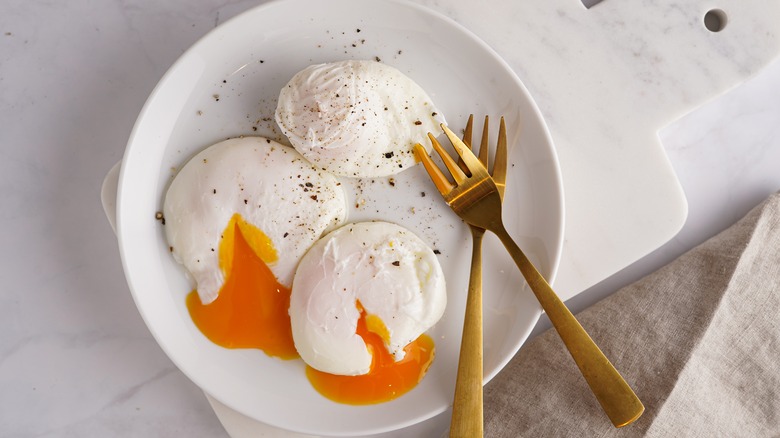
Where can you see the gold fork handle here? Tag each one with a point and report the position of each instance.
(467, 419)
(618, 400)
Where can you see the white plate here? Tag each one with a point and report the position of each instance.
(226, 85)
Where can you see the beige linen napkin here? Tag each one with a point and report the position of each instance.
(698, 340)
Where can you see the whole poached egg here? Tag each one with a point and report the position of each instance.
(377, 272)
(279, 202)
(356, 118)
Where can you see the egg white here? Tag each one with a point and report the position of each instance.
(356, 118)
(269, 184)
(392, 272)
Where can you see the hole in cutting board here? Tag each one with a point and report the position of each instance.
(715, 20)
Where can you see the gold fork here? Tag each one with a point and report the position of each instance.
(475, 198)
(467, 418)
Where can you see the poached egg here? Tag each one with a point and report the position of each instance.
(279, 202)
(375, 272)
(356, 118)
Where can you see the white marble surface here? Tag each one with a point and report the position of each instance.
(75, 356)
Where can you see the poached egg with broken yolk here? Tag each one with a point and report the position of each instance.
(356, 118)
(375, 274)
(277, 200)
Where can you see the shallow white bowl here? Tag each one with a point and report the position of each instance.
(226, 85)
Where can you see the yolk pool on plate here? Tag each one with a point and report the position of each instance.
(386, 379)
(251, 309)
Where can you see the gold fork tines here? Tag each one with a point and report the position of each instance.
(476, 198)
(498, 171)
(439, 180)
(467, 189)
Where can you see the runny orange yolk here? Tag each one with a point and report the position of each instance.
(251, 308)
(386, 379)
(251, 311)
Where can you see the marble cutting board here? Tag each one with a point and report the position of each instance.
(607, 79)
